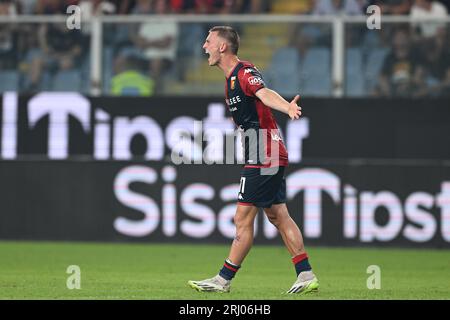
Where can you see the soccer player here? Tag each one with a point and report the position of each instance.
(263, 183)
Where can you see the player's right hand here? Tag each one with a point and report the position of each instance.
(294, 110)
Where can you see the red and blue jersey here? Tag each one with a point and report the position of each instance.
(262, 143)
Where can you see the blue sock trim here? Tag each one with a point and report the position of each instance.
(302, 266)
(228, 270)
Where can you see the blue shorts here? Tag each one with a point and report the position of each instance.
(262, 187)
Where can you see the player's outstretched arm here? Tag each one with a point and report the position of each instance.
(273, 100)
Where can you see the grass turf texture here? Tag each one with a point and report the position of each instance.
(37, 270)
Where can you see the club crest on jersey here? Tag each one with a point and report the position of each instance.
(233, 83)
(255, 81)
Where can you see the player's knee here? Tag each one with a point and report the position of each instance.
(275, 220)
(278, 217)
(242, 222)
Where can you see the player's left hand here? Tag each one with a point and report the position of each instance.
(294, 110)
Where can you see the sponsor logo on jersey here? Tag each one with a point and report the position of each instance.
(255, 81)
(233, 83)
(233, 100)
(248, 70)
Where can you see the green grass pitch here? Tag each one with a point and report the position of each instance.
(37, 270)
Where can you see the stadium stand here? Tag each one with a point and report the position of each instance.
(268, 45)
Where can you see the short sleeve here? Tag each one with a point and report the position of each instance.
(250, 80)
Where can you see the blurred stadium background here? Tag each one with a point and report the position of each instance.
(89, 118)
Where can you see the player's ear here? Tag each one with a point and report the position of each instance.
(223, 47)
